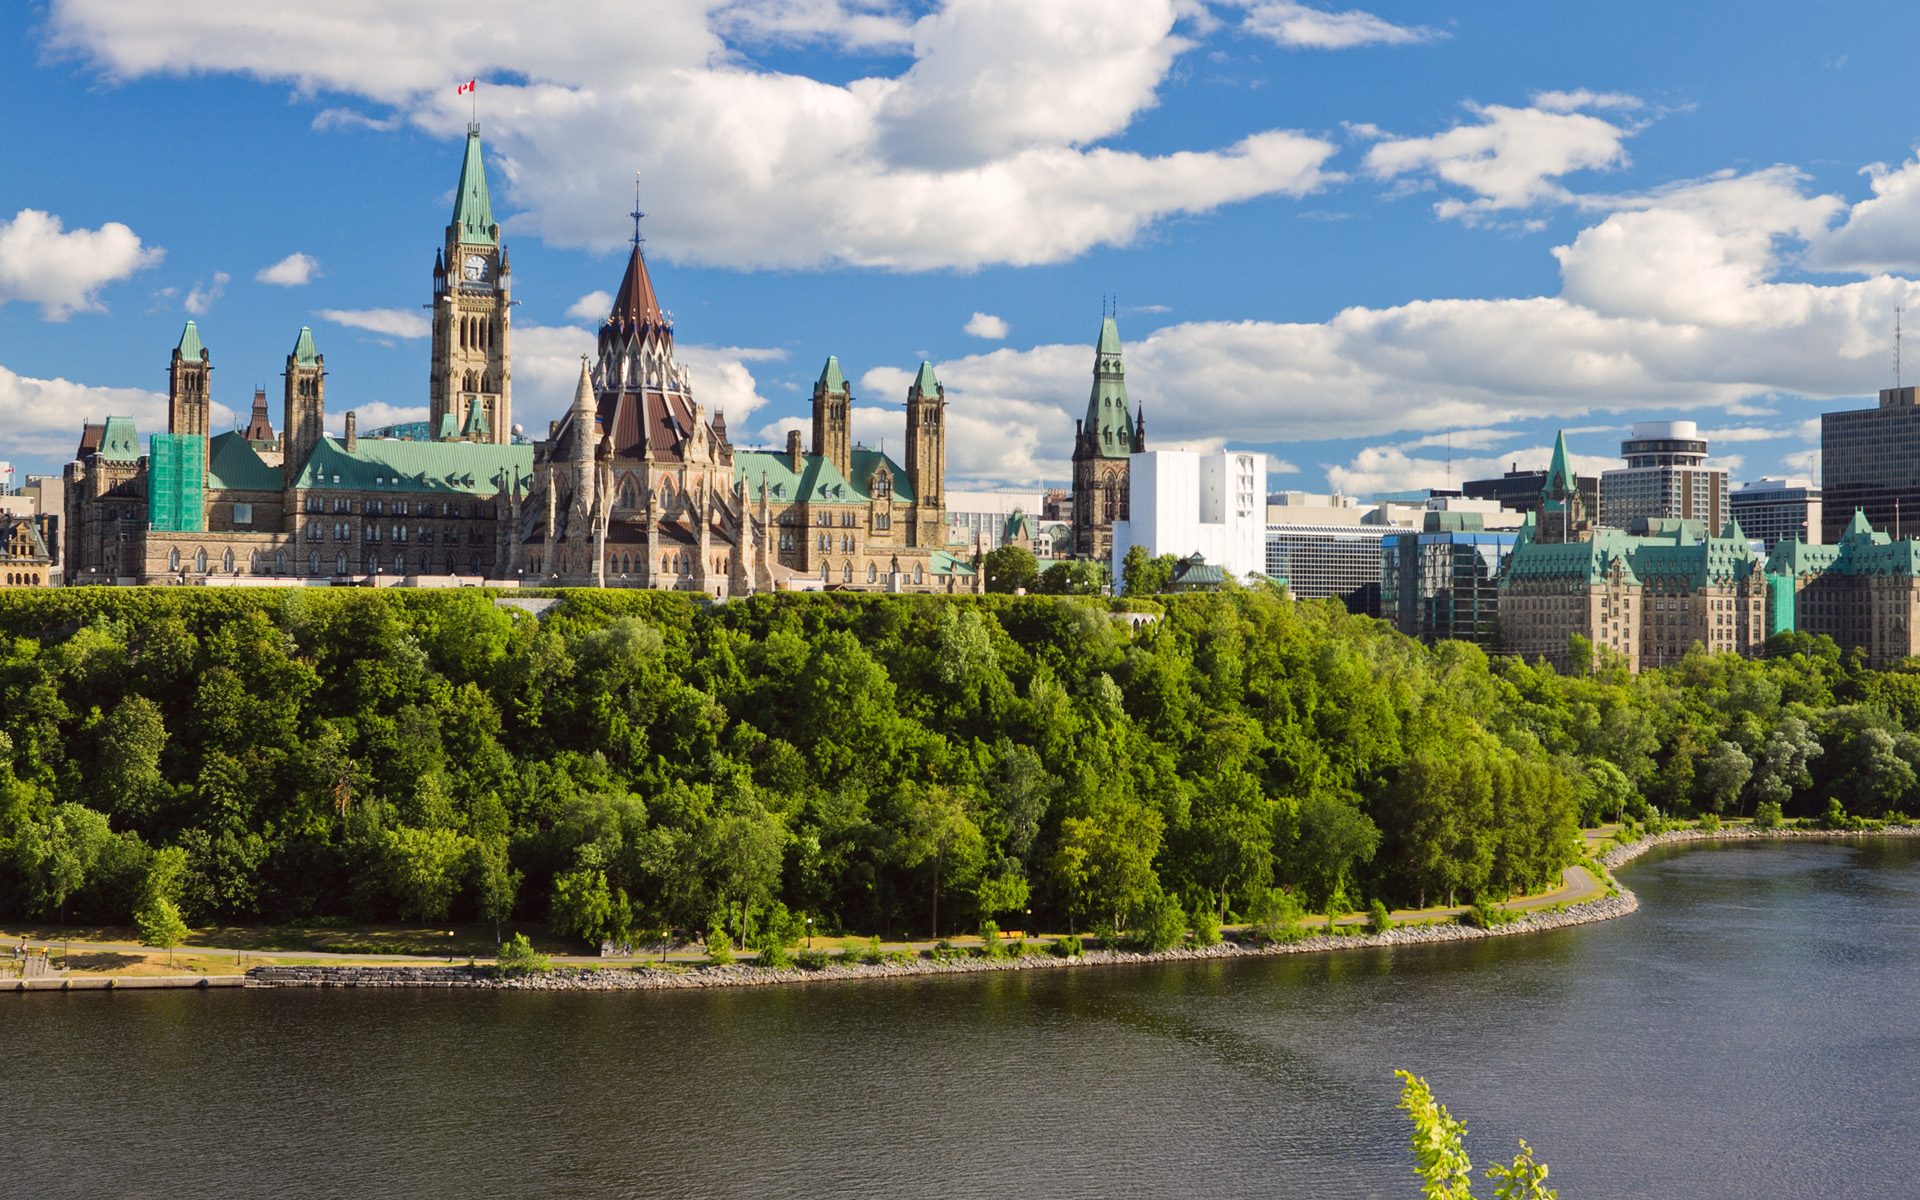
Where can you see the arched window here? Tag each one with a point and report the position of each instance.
(399, 562)
(846, 571)
(313, 563)
(873, 573)
(666, 564)
(826, 572)
(173, 559)
(340, 563)
(227, 562)
(200, 562)
(917, 577)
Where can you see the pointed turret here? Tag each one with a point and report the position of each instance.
(303, 415)
(190, 347)
(925, 382)
(832, 402)
(1563, 511)
(472, 206)
(1108, 425)
(581, 414)
(635, 306)
(927, 453)
(304, 352)
(1559, 474)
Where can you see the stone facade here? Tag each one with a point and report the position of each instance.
(1863, 591)
(27, 550)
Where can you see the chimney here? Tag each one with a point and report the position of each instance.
(793, 449)
(720, 426)
(353, 433)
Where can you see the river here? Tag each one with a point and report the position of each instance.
(1752, 1030)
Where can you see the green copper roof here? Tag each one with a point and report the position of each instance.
(433, 468)
(947, 563)
(1859, 530)
(1675, 555)
(1559, 480)
(476, 420)
(817, 480)
(304, 353)
(234, 465)
(119, 442)
(830, 377)
(924, 382)
(190, 347)
(472, 207)
(1109, 423)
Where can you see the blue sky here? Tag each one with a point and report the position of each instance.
(1346, 235)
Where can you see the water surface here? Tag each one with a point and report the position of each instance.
(1750, 1031)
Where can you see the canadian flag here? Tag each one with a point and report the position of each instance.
(464, 88)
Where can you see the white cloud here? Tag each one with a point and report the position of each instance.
(371, 416)
(1378, 469)
(594, 306)
(63, 270)
(295, 270)
(1880, 233)
(1005, 104)
(1462, 439)
(1300, 27)
(986, 325)
(201, 296)
(42, 417)
(1583, 98)
(848, 24)
(387, 322)
(1511, 158)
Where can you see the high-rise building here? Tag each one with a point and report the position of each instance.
(1329, 562)
(1870, 462)
(1184, 503)
(1520, 490)
(1666, 477)
(1775, 510)
(1442, 580)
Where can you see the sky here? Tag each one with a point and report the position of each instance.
(1395, 246)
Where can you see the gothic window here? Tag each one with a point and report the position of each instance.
(846, 572)
(825, 519)
(200, 562)
(313, 563)
(883, 520)
(227, 563)
(826, 572)
(873, 573)
(882, 486)
(916, 574)
(173, 559)
(666, 563)
(280, 561)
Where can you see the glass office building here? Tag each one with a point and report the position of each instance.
(1442, 581)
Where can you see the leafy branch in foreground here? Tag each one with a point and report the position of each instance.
(1440, 1158)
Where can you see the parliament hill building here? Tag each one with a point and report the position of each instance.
(636, 485)
(1104, 442)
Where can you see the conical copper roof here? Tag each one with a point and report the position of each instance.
(635, 307)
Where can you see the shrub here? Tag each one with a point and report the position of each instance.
(1206, 927)
(1378, 919)
(945, 951)
(1766, 815)
(518, 957)
(1709, 823)
(1836, 816)
(990, 943)
(1067, 947)
(1163, 924)
(898, 958)
(811, 960)
(773, 954)
(1276, 916)
(1486, 916)
(719, 946)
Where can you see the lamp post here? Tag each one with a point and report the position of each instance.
(1027, 933)
(809, 933)
(449, 945)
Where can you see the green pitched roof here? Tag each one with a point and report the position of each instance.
(119, 441)
(830, 377)
(304, 352)
(234, 465)
(1108, 422)
(476, 420)
(190, 347)
(434, 468)
(818, 480)
(472, 207)
(946, 563)
(924, 382)
(1559, 478)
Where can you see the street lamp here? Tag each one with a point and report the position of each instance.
(809, 933)
(1027, 933)
(449, 945)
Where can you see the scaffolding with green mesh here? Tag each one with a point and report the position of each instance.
(177, 483)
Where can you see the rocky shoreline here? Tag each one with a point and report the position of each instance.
(739, 975)
(1620, 856)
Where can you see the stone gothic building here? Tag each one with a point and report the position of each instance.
(638, 486)
(1102, 443)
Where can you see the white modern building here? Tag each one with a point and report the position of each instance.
(978, 520)
(1774, 510)
(1182, 503)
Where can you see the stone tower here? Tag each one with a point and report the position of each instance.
(189, 385)
(470, 394)
(1563, 514)
(303, 415)
(927, 455)
(1102, 442)
(832, 437)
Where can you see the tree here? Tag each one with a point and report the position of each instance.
(1720, 777)
(160, 925)
(1142, 574)
(495, 883)
(1331, 838)
(1075, 577)
(1440, 1157)
(1011, 568)
(582, 905)
(1105, 858)
(937, 829)
(423, 869)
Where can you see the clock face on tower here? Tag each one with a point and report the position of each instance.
(474, 269)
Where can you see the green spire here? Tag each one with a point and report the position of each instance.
(924, 382)
(1108, 422)
(830, 377)
(472, 208)
(1559, 485)
(190, 348)
(304, 353)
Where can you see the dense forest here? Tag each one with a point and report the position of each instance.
(639, 760)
